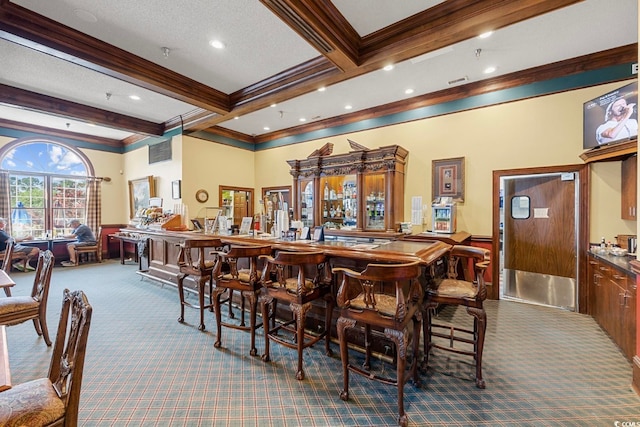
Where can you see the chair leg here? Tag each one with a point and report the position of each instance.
(7, 291)
(328, 315)
(417, 327)
(201, 283)
(367, 346)
(265, 301)
(181, 295)
(253, 306)
(217, 309)
(426, 335)
(43, 327)
(480, 320)
(300, 312)
(400, 340)
(341, 325)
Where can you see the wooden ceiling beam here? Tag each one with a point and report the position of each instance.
(37, 32)
(321, 24)
(60, 107)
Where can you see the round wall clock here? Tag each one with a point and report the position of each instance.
(202, 196)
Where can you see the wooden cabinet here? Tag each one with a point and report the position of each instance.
(362, 190)
(629, 188)
(612, 303)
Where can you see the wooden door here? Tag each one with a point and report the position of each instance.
(540, 239)
(240, 208)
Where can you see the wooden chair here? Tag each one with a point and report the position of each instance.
(6, 263)
(387, 297)
(193, 261)
(54, 400)
(95, 250)
(292, 285)
(18, 309)
(8, 257)
(229, 275)
(469, 291)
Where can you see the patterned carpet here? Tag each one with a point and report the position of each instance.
(543, 367)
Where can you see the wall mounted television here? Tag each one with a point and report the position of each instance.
(611, 117)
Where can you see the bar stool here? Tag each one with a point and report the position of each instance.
(387, 297)
(469, 291)
(228, 275)
(293, 285)
(200, 268)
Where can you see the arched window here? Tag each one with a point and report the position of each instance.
(47, 184)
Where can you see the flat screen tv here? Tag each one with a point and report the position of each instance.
(611, 117)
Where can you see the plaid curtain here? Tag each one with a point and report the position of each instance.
(5, 203)
(94, 210)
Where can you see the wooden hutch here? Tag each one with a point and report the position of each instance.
(362, 190)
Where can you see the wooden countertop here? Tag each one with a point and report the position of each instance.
(424, 251)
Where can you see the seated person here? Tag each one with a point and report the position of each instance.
(30, 251)
(84, 237)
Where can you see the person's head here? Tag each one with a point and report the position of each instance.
(3, 223)
(74, 223)
(617, 108)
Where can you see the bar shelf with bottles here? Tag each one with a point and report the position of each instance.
(362, 190)
(339, 200)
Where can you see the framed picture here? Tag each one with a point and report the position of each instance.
(140, 191)
(175, 189)
(448, 179)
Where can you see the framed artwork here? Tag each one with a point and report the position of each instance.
(140, 191)
(448, 179)
(175, 189)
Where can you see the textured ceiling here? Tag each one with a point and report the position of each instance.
(260, 45)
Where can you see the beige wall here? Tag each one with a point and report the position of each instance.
(136, 166)
(536, 132)
(207, 166)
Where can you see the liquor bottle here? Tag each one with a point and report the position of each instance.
(326, 191)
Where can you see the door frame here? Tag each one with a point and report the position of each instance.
(583, 229)
(248, 191)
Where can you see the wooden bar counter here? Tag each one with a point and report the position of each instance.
(163, 248)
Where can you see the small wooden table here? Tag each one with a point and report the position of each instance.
(123, 240)
(6, 283)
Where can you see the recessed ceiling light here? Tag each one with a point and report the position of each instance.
(266, 128)
(485, 35)
(408, 91)
(236, 117)
(217, 44)
(322, 89)
(85, 15)
(302, 119)
(134, 97)
(348, 107)
(489, 70)
(388, 67)
(273, 105)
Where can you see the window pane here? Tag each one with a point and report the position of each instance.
(69, 202)
(48, 187)
(27, 205)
